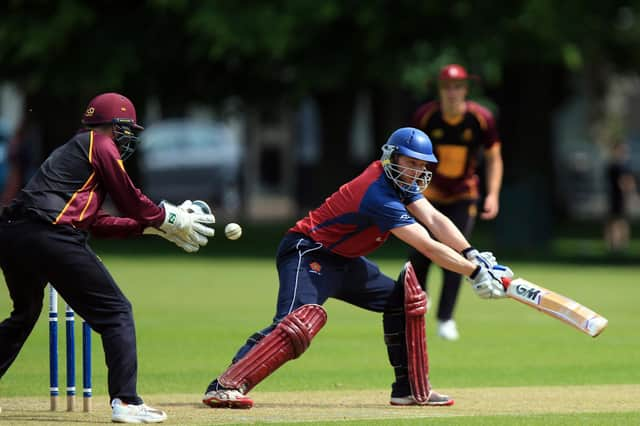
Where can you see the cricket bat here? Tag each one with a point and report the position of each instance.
(555, 305)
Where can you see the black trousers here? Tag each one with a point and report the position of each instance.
(34, 253)
(463, 215)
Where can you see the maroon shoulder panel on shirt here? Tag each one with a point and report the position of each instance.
(128, 199)
(423, 113)
(487, 123)
(71, 185)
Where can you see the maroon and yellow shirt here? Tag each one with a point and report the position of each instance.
(457, 146)
(72, 184)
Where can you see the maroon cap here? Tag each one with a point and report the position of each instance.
(107, 107)
(454, 72)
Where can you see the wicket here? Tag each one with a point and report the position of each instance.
(71, 357)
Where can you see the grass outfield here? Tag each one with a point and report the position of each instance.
(193, 312)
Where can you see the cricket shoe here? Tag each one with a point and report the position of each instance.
(448, 330)
(227, 398)
(130, 413)
(435, 400)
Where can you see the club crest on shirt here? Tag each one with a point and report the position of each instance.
(467, 135)
(315, 267)
(437, 133)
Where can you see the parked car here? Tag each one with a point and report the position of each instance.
(193, 159)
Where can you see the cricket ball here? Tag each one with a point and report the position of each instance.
(233, 231)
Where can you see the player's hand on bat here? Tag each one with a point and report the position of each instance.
(484, 258)
(487, 283)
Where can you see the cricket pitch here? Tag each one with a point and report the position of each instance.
(335, 406)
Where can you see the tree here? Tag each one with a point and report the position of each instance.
(258, 51)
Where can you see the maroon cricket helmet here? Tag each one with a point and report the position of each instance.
(111, 108)
(455, 72)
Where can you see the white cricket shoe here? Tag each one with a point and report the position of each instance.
(448, 330)
(129, 413)
(227, 398)
(435, 400)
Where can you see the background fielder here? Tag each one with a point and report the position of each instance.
(460, 130)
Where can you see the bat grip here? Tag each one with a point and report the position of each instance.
(506, 282)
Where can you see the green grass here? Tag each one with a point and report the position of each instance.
(193, 312)
(590, 419)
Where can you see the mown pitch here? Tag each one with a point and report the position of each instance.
(319, 407)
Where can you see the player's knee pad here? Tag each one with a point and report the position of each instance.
(296, 330)
(291, 337)
(415, 299)
(415, 310)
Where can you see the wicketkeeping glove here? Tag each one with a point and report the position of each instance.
(487, 283)
(188, 246)
(187, 223)
(199, 207)
(484, 258)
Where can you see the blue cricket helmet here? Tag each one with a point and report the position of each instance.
(410, 142)
(413, 143)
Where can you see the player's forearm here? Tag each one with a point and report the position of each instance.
(106, 226)
(447, 258)
(495, 171)
(446, 232)
(627, 183)
(438, 224)
(128, 199)
(417, 237)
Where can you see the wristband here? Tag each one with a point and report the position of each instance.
(475, 272)
(467, 250)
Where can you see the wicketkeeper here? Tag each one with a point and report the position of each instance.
(322, 256)
(44, 236)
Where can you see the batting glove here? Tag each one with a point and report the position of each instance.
(487, 283)
(485, 258)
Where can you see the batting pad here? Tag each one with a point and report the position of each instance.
(415, 304)
(291, 337)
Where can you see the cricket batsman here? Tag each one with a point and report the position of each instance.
(44, 236)
(323, 255)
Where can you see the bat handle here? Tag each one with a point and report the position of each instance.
(506, 282)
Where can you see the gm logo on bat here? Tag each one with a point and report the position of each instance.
(533, 294)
